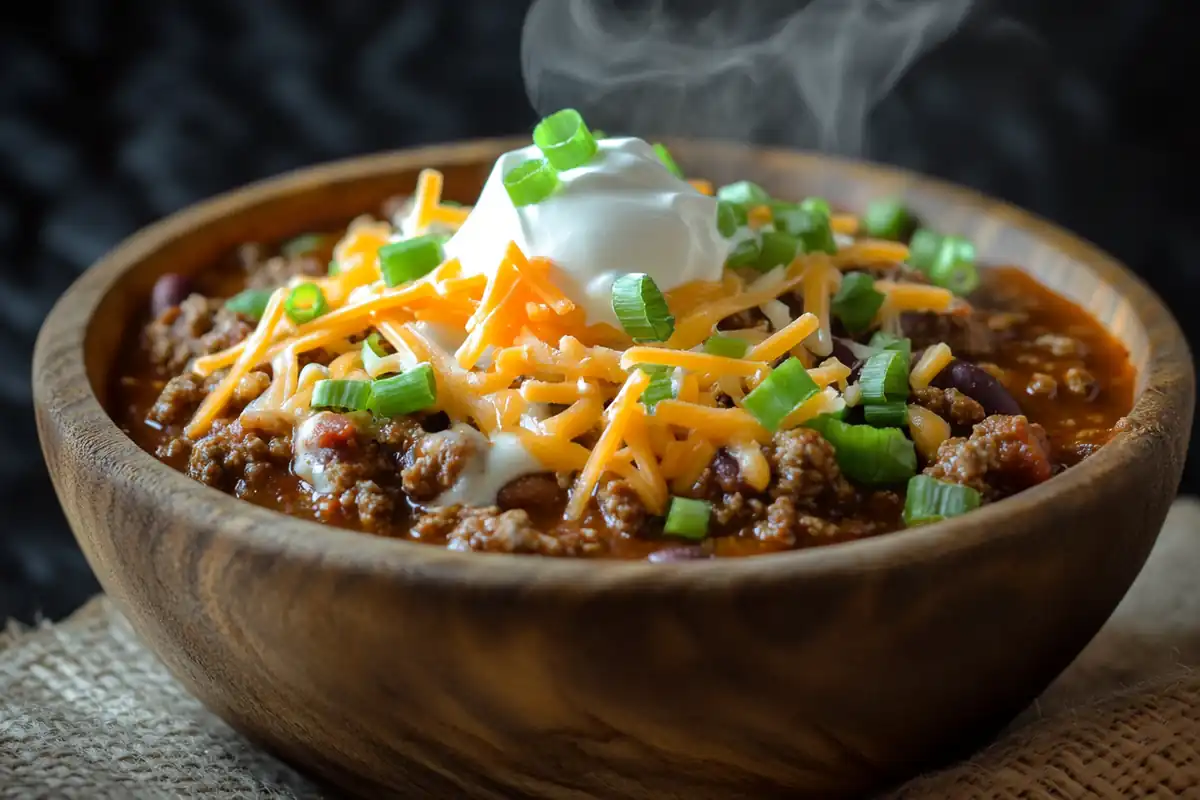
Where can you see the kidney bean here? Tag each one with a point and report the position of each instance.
(170, 290)
(976, 383)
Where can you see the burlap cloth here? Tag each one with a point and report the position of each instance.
(87, 712)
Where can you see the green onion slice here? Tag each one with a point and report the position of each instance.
(786, 387)
(930, 500)
(661, 387)
(729, 218)
(305, 303)
(882, 340)
(811, 227)
(530, 182)
(727, 346)
(817, 205)
(744, 254)
(302, 245)
(641, 308)
(856, 302)
(688, 518)
(872, 456)
(333, 269)
(342, 395)
(664, 155)
(372, 353)
(954, 267)
(250, 303)
(406, 393)
(923, 248)
(564, 138)
(744, 194)
(884, 377)
(409, 259)
(778, 249)
(892, 414)
(886, 219)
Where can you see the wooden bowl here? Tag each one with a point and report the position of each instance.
(386, 666)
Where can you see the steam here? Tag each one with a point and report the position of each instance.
(736, 70)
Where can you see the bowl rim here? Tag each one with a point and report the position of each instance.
(65, 399)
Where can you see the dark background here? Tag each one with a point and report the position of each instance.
(113, 114)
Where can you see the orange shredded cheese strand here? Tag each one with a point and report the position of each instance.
(820, 281)
(697, 362)
(846, 224)
(582, 415)
(831, 371)
(255, 346)
(717, 424)
(784, 340)
(564, 393)
(695, 328)
(933, 361)
(638, 442)
(555, 454)
(535, 273)
(865, 252)
(622, 409)
(428, 195)
(702, 186)
(758, 216)
(693, 462)
(913, 297)
(928, 431)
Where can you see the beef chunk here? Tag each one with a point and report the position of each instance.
(234, 459)
(621, 507)
(495, 531)
(1003, 455)
(805, 468)
(968, 334)
(434, 461)
(196, 327)
(1082, 383)
(951, 405)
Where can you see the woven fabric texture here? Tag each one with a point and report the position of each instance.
(87, 712)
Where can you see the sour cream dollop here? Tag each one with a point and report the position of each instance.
(621, 212)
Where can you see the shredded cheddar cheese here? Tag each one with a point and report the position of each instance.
(933, 361)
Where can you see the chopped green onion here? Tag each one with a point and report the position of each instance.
(372, 353)
(892, 414)
(334, 269)
(744, 254)
(886, 219)
(661, 387)
(305, 303)
(687, 518)
(884, 377)
(409, 259)
(664, 156)
(342, 395)
(778, 249)
(786, 387)
(931, 500)
(727, 346)
(729, 218)
(301, 245)
(816, 205)
(923, 248)
(868, 455)
(641, 308)
(811, 227)
(530, 182)
(744, 194)
(564, 138)
(406, 393)
(888, 341)
(856, 301)
(954, 267)
(250, 303)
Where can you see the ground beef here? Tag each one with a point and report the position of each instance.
(433, 463)
(969, 335)
(622, 509)
(1003, 455)
(785, 523)
(249, 388)
(1082, 383)
(178, 400)
(951, 405)
(197, 326)
(1041, 385)
(495, 531)
(540, 493)
(233, 459)
(805, 468)
(278, 270)
(371, 504)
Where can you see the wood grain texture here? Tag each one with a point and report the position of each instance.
(393, 667)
